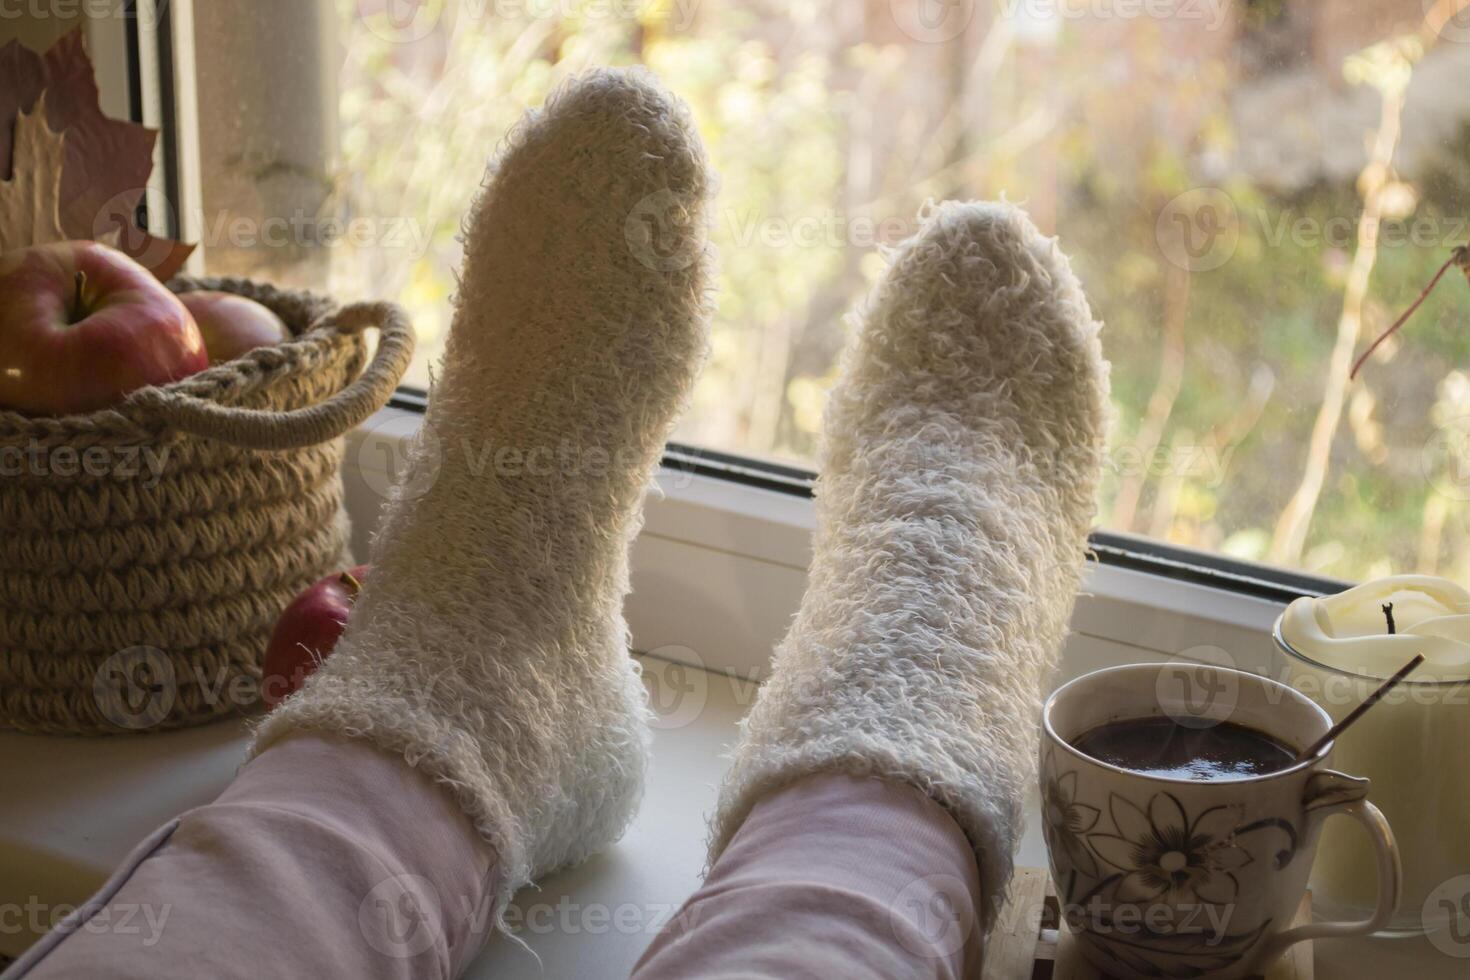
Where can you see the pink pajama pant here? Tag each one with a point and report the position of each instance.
(367, 870)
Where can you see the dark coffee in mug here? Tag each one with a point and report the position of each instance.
(1164, 748)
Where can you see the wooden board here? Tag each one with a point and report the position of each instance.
(1030, 942)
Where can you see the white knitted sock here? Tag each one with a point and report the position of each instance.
(488, 646)
(961, 456)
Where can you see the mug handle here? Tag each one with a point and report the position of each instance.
(1330, 793)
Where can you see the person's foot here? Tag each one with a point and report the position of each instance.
(488, 647)
(962, 450)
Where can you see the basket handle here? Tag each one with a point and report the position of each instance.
(315, 424)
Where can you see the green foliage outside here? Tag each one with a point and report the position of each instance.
(826, 140)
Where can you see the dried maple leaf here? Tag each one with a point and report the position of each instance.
(30, 201)
(107, 161)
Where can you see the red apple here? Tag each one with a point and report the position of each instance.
(306, 633)
(82, 325)
(232, 325)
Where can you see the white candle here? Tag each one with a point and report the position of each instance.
(1412, 745)
(1349, 630)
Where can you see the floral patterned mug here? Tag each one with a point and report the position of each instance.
(1165, 877)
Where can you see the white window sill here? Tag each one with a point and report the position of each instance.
(717, 573)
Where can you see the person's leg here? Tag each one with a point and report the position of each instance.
(833, 876)
(324, 858)
(488, 649)
(962, 449)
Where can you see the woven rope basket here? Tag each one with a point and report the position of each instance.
(147, 551)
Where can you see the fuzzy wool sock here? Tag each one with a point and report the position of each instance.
(488, 646)
(962, 450)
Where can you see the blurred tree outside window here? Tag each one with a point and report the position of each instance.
(1250, 191)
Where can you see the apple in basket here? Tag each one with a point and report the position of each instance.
(306, 633)
(232, 325)
(82, 325)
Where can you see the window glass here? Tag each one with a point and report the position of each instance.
(1250, 192)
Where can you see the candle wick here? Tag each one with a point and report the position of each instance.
(1388, 614)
